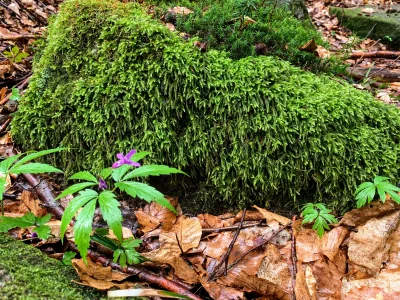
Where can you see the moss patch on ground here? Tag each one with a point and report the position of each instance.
(253, 130)
(377, 26)
(26, 273)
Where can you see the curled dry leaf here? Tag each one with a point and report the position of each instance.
(301, 288)
(368, 246)
(210, 221)
(221, 292)
(270, 215)
(308, 245)
(375, 209)
(33, 204)
(328, 279)
(99, 277)
(331, 242)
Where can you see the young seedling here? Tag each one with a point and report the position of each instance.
(320, 215)
(366, 191)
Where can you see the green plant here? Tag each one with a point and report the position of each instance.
(88, 199)
(366, 192)
(320, 215)
(15, 95)
(20, 164)
(15, 55)
(67, 258)
(28, 220)
(124, 252)
(248, 131)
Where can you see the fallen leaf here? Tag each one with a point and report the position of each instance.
(270, 215)
(221, 292)
(301, 288)
(328, 279)
(308, 245)
(180, 10)
(33, 204)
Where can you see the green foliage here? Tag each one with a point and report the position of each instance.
(124, 252)
(109, 206)
(252, 130)
(17, 165)
(320, 215)
(366, 192)
(223, 26)
(15, 55)
(67, 258)
(15, 95)
(28, 220)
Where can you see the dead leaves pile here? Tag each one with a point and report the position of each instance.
(358, 259)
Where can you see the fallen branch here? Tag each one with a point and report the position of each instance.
(230, 228)
(18, 37)
(375, 54)
(141, 273)
(378, 74)
(224, 259)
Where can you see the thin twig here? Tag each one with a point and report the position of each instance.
(225, 257)
(230, 228)
(182, 252)
(18, 37)
(294, 259)
(357, 61)
(5, 124)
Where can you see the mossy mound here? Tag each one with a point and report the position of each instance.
(380, 25)
(249, 130)
(26, 273)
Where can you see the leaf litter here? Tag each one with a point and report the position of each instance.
(272, 256)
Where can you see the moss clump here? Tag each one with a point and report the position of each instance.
(249, 130)
(379, 26)
(26, 273)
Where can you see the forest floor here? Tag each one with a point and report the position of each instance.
(245, 255)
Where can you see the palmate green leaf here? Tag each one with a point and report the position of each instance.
(84, 175)
(15, 50)
(370, 193)
(140, 155)
(67, 258)
(104, 240)
(75, 188)
(76, 203)
(43, 220)
(83, 228)
(145, 192)
(387, 186)
(363, 186)
(7, 223)
(382, 194)
(118, 173)
(105, 173)
(34, 155)
(131, 243)
(15, 95)
(361, 202)
(394, 196)
(109, 207)
(2, 187)
(379, 179)
(29, 217)
(152, 170)
(43, 231)
(34, 168)
(116, 254)
(21, 56)
(134, 257)
(6, 164)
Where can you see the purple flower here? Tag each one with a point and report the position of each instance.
(125, 160)
(102, 184)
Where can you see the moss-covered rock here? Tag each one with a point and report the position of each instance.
(379, 25)
(26, 273)
(249, 131)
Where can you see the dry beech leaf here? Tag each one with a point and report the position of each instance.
(393, 255)
(328, 279)
(375, 209)
(270, 215)
(274, 268)
(367, 246)
(311, 282)
(221, 292)
(218, 245)
(210, 221)
(331, 242)
(99, 277)
(308, 245)
(385, 286)
(301, 288)
(33, 204)
(251, 283)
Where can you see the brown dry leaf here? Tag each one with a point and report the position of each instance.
(33, 204)
(99, 277)
(386, 286)
(270, 215)
(180, 10)
(308, 245)
(55, 226)
(368, 246)
(170, 26)
(301, 288)
(310, 46)
(251, 215)
(328, 279)
(375, 209)
(274, 269)
(154, 214)
(218, 245)
(221, 292)
(322, 52)
(311, 282)
(393, 255)
(187, 230)
(331, 242)
(210, 221)
(4, 69)
(251, 283)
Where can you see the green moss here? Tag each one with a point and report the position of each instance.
(252, 130)
(26, 273)
(377, 26)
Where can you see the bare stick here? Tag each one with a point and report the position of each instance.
(182, 252)
(230, 228)
(224, 259)
(18, 37)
